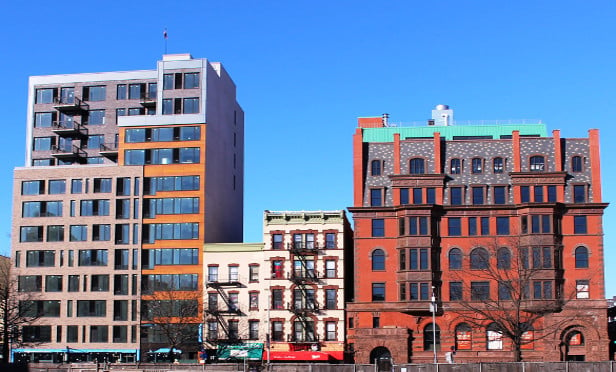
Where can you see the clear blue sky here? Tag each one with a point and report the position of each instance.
(305, 70)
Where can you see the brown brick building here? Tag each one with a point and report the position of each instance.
(485, 219)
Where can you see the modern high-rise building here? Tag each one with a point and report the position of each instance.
(484, 237)
(127, 175)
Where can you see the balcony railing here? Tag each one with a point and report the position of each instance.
(218, 281)
(304, 308)
(68, 128)
(67, 104)
(67, 152)
(109, 150)
(302, 339)
(307, 276)
(147, 100)
(223, 310)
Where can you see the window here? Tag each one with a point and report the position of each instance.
(581, 257)
(417, 196)
(582, 289)
(42, 209)
(94, 308)
(94, 93)
(378, 227)
(253, 301)
(170, 231)
(494, 336)
(576, 164)
(330, 299)
(303, 331)
(537, 163)
(455, 291)
(463, 334)
(538, 194)
(167, 106)
(277, 241)
(477, 165)
(45, 95)
(277, 303)
(503, 258)
(32, 187)
(122, 233)
(92, 257)
(455, 259)
(99, 283)
(418, 259)
(378, 292)
(330, 240)
(177, 183)
(455, 196)
(404, 196)
(76, 186)
(551, 194)
(119, 334)
(191, 80)
(480, 259)
(43, 119)
(500, 194)
(95, 117)
(419, 291)
(579, 225)
(99, 333)
(376, 322)
(478, 192)
(432, 337)
(375, 167)
(431, 195)
(40, 258)
(472, 226)
(277, 269)
(152, 90)
(212, 274)
(497, 165)
(53, 283)
(376, 197)
(102, 185)
(253, 273)
(29, 283)
(191, 105)
(136, 91)
(417, 166)
(454, 226)
(418, 225)
(480, 291)
(161, 206)
(456, 167)
(542, 290)
(330, 331)
(97, 207)
(378, 260)
(31, 234)
(579, 194)
(330, 268)
(168, 81)
(502, 225)
(43, 143)
(253, 329)
(36, 333)
(101, 232)
(121, 91)
(55, 233)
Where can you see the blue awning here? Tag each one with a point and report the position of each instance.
(165, 350)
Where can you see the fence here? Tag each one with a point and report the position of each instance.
(607, 366)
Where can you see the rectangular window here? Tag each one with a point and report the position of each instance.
(472, 226)
(99, 333)
(91, 308)
(525, 194)
(53, 283)
(102, 185)
(99, 283)
(36, 333)
(31, 234)
(582, 288)
(121, 91)
(191, 105)
(46, 95)
(579, 225)
(500, 196)
(43, 119)
(431, 195)
(417, 196)
(94, 93)
(404, 196)
(502, 225)
(376, 197)
(73, 283)
(32, 187)
(538, 194)
(454, 227)
(378, 227)
(97, 207)
(55, 233)
(170, 231)
(378, 292)
(76, 186)
(136, 91)
(191, 80)
(480, 291)
(455, 291)
(455, 196)
(330, 299)
(418, 259)
(579, 194)
(168, 81)
(477, 195)
(253, 329)
(92, 257)
(43, 143)
(40, 258)
(552, 194)
(95, 117)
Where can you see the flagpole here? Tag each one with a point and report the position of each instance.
(166, 37)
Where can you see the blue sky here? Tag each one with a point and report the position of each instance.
(305, 70)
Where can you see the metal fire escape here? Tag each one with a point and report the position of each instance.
(222, 310)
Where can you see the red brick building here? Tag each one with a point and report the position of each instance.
(487, 219)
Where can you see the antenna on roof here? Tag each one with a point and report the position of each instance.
(165, 36)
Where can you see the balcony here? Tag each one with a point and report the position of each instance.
(109, 150)
(307, 276)
(67, 152)
(304, 308)
(68, 129)
(303, 248)
(148, 101)
(70, 104)
(216, 282)
(223, 310)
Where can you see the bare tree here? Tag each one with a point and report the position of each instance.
(16, 308)
(172, 316)
(529, 287)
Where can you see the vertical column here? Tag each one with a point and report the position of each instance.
(358, 168)
(595, 165)
(437, 152)
(515, 143)
(558, 162)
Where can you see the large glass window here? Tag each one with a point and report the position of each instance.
(378, 227)
(378, 292)
(43, 143)
(94, 308)
(454, 226)
(191, 80)
(43, 119)
(502, 225)
(579, 225)
(92, 257)
(455, 196)
(170, 231)
(191, 105)
(32, 187)
(31, 234)
(94, 93)
(45, 95)
(480, 291)
(378, 260)
(95, 117)
(40, 258)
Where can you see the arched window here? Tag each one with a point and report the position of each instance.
(581, 257)
(576, 164)
(503, 258)
(537, 163)
(455, 259)
(528, 336)
(378, 260)
(375, 167)
(477, 165)
(480, 259)
(464, 337)
(456, 166)
(494, 337)
(498, 165)
(432, 337)
(575, 338)
(417, 166)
